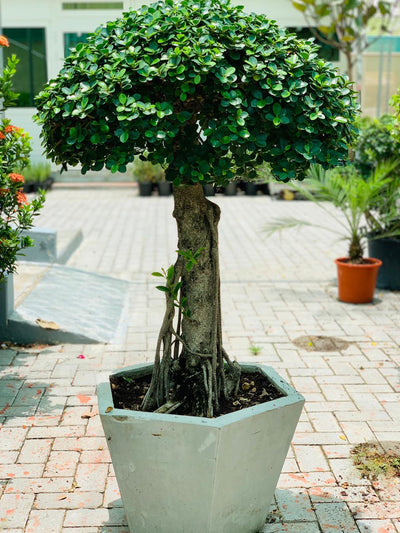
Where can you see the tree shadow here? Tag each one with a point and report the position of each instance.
(117, 522)
(25, 394)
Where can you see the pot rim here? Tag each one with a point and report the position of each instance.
(372, 262)
(291, 397)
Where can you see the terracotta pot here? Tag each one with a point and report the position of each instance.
(356, 283)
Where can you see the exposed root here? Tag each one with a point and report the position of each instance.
(192, 369)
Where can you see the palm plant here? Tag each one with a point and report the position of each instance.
(355, 198)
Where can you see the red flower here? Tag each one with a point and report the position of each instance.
(10, 128)
(21, 199)
(16, 178)
(2, 136)
(4, 41)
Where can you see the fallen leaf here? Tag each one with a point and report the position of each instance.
(90, 414)
(342, 437)
(45, 324)
(109, 409)
(62, 497)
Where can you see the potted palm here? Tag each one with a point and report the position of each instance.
(355, 200)
(209, 93)
(376, 142)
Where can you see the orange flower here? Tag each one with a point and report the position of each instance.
(21, 199)
(4, 41)
(16, 178)
(10, 128)
(2, 136)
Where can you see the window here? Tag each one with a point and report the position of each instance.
(29, 45)
(330, 53)
(71, 40)
(93, 5)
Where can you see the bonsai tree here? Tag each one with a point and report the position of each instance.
(209, 93)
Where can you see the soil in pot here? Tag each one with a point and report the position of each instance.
(254, 389)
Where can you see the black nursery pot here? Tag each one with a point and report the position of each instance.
(388, 251)
(208, 189)
(230, 189)
(164, 188)
(250, 189)
(145, 188)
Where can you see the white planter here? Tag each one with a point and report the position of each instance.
(182, 474)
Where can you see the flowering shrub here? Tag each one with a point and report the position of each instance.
(16, 213)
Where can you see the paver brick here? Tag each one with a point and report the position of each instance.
(12, 438)
(69, 500)
(375, 510)
(45, 521)
(18, 470)
(35, 450)
(95, 517)
(335, 517)
(61, 464)
(79, 443)
(306, 527)
(294, 504)
(311, 458)
(376, 526)
(92, 476)
(38, 485)
(14, 510)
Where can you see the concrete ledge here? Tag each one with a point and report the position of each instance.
(45, 248)
(82, 307)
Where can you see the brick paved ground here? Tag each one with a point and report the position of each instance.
(55, 471)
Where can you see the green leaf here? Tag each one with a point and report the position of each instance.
(277, 108)
(163, 289)
(170, 273)
(157, 274)
(124, 136)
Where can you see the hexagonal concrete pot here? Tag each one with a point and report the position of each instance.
(181, 474)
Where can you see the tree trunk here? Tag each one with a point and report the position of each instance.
(194, 370)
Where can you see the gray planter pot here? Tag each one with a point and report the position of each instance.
(185, 474)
